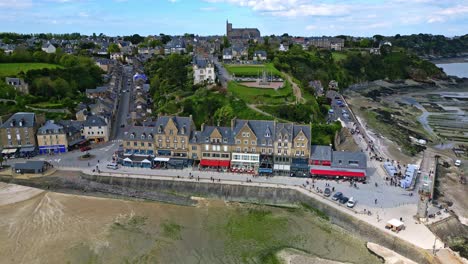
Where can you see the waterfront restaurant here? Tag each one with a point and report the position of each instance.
(245, 162)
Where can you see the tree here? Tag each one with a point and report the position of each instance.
(1, 160)
(113, 48)
(224, 115)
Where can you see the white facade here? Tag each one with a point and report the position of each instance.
(202, 74)
(245, 158)
(227, 56)
(49, 48)
(97, 133)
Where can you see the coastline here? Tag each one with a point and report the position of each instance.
(463, 59)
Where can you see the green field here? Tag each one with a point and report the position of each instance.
(251, 70)
(261, 95)
(12, 69)
(339, 56)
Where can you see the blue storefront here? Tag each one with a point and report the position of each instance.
(52, 149)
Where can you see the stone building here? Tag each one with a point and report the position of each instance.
(18, 133)
(57, 138)
(241, 33)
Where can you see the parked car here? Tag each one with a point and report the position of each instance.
(458, 163)
(337, 97)
(85, 148)
(337, 196)
(351, 202)
(113, 166)
(344, 199)
(327, 192)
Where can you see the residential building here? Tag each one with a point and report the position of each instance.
(260, 55)
(176, 45)
(49, 48)
(95, 128)
(227, 54)
(57, 138)
(104, 63)
(212, 147)
(283, 47)
(203, 71)
(97, 92)
(18, 83)
(32, 167)
(138, 146)
(173, 136)
(18, 133)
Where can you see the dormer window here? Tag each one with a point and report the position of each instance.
(142, 136)
(160, 129)
(150, 136)
(132, 136)
(183, 130)
(207, 139)
(224, 140)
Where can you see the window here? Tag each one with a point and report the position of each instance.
(207, 139)
(246, 149)
(205, 155)
(150, 145)
(340, 162)
(216, 155)
(159, 145)
(279, 144)
(143, 136)
(225, 148)
(194, 147)
(135, 143)
(253, 142)
(253, 150)
(175, 139)
(213, 147)
(353, 163)
(132, 136)
(225, 156)
(246, 142)
(207, 147)
(171, 132)
(238, 149)
(142, 144)
(224, 140)
(248, 134)
(175, 145)
(183, 146)
(285, 152)
(263, 151)
(270, 151)
(243, 134)
(238, 141)
(99, 127)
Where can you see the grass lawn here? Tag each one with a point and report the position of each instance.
(339, 56)
(12, 69)
(261, 95)
(47, 105)
(251, 70)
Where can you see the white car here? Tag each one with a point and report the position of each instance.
(351, 202)
(458, 163)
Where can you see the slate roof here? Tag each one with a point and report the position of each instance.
(261, 53)
(303, 128)
(201, 62)
(227, 51)
(321, 153)
(346, 156)
(200, 136)
(176, 43)
(26, 120)
(51, 128)
(92, 121)
(259, 127)
(138, 131)
(71, 125)
(100, 89)
(179, 121)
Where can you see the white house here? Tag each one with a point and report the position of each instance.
(260, 55)
(227, 54)
(203, 70)
(283, 48)
(49, 48)
(95, 128)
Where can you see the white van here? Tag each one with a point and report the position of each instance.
(113, 166)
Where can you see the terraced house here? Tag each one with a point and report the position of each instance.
(247, 146)
(18, 134)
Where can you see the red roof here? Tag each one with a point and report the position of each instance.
(337, 173)
(215, 163)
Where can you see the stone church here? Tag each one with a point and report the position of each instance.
(241, 33)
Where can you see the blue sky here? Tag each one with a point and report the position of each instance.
(208, 17)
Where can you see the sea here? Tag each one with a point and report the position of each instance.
(459, 69)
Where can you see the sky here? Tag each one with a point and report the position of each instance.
(208, 17)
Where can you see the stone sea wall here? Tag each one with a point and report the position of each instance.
(179, 192)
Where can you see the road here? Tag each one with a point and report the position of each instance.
(223, 75)
(124, 104)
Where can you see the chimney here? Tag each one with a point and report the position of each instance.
(233, 121)
(202, 127)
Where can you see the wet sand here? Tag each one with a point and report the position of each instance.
(60, 228)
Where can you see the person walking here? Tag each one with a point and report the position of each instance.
(375, 201)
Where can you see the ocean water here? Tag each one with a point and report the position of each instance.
(455, 69)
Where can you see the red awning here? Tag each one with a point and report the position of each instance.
(337, 173)
(205, 162)
(224, 163)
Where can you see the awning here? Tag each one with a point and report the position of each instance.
(161, 159)
(215, 163)
(8, 151)
(337, 173)
(28, 149)
(127, 159)
(145, 161)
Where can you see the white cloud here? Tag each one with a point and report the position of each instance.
(17, 4)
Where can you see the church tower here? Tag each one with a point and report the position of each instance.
(228, 28)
